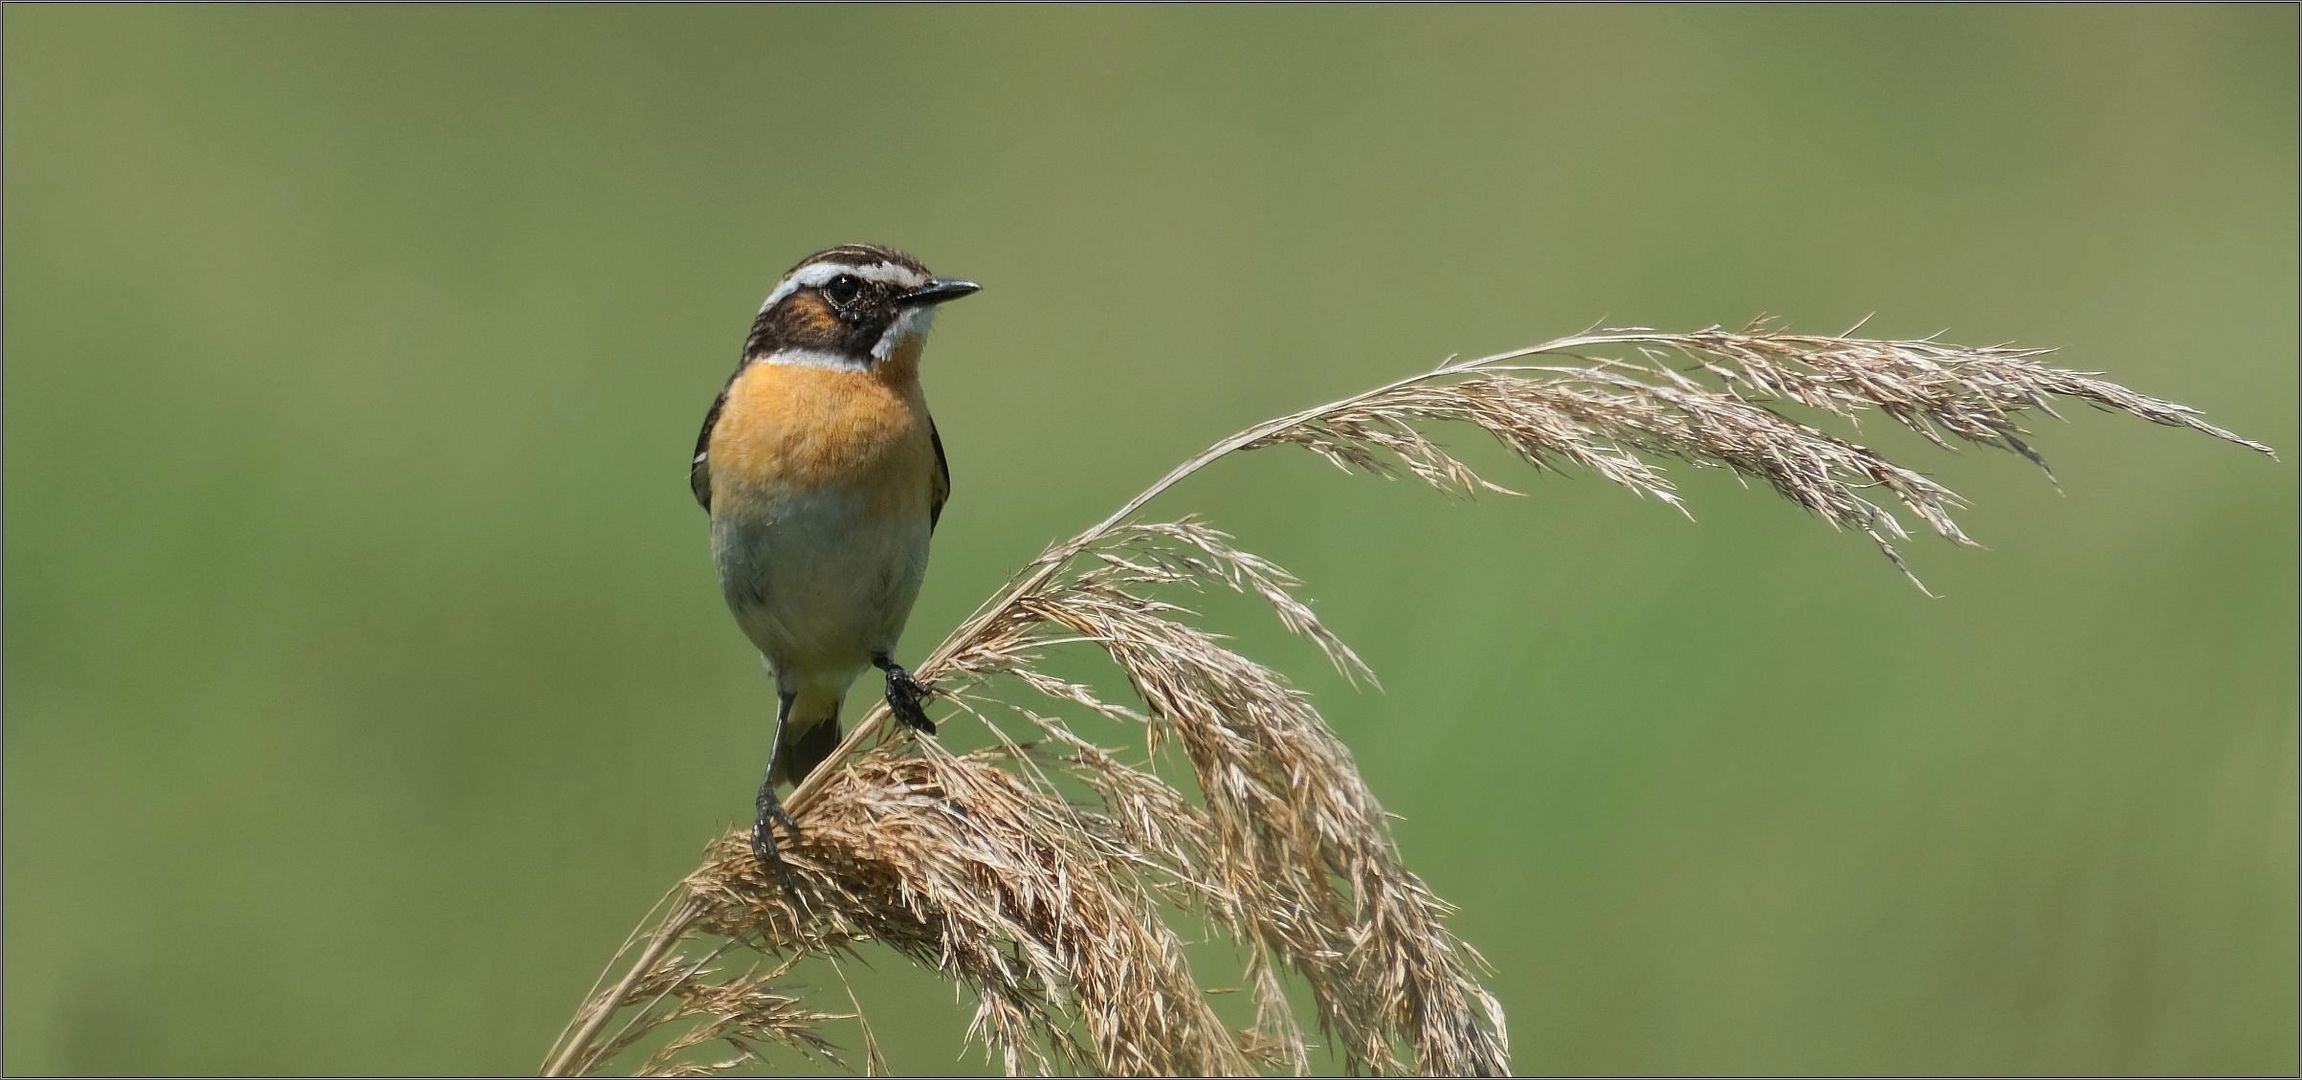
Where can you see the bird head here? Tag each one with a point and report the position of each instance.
(856, 307)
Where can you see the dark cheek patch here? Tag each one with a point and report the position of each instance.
(809, 320)
(802, 321)
(814, 319)
(867, 331)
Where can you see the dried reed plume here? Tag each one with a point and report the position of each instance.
(1043, 873)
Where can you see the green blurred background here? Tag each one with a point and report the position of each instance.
(366, 679)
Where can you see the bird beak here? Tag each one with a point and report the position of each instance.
(938, 291)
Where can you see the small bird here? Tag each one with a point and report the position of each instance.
(824, 477)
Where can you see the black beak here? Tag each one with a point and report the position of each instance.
(938, 291)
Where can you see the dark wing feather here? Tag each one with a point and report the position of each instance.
(940, 489)
(699, 467)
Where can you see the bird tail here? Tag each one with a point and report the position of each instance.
(810, 734)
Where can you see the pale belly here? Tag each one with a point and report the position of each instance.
(820, 582)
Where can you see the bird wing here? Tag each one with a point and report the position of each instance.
(939, 488)
(699, 467)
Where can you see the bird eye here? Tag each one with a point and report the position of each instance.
(843, 289)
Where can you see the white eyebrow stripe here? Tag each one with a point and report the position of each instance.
(819, 273)
(816, 358)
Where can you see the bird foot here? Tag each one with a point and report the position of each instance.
(904, 695)
(763, 847)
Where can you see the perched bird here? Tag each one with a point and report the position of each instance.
(824, 477)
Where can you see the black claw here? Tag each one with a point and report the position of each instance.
(904, 694)
(763, 847)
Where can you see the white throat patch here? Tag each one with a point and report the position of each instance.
(913, 323)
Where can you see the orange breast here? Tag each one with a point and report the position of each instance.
(792, 429)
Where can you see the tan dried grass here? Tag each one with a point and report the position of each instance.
(1056, 912)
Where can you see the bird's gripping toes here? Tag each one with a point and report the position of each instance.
(824, 477)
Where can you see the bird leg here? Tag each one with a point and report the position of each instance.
(770, 809)
(904, 695)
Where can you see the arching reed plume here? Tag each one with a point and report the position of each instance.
(1053, 909)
